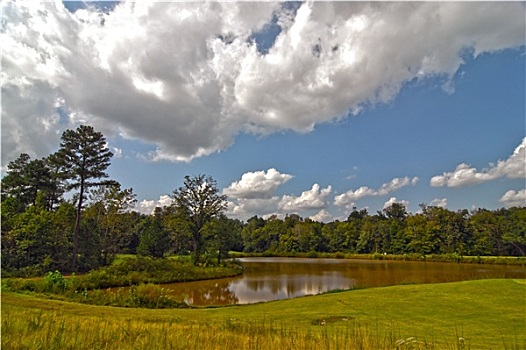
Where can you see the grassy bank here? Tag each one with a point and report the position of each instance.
(144, 275)
(492, 260)
(486, 314)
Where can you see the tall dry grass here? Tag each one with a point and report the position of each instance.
(48, 330)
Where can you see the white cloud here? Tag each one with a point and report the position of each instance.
(322, 216)
(131, 71)
(396, 184)
(393, 200)
(514, 168)
(117, 152)
(315, 198)
(258, 184)
(514, 198)
(244, 208)
(148, 206)
(351, 195)
(439, 202)
(254, 194)
(348, 198)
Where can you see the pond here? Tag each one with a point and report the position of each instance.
(267, 279)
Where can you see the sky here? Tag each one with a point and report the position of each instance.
(309, 108)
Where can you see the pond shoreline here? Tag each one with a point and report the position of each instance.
(148, 283)
(450, 258)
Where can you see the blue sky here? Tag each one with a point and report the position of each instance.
(292, 108)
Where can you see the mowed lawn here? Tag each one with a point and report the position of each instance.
(483, 314)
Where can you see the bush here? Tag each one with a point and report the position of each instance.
(312, 254)
(54, 282)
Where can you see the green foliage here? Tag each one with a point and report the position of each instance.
(83, 158)
(41, 233)
(26, 178)
(111, 221)
(142, 275)
(151, 296)
(154, 240)
(38, 241)
(198, 201)
(56, 283)
(434, 231)
(222, 235)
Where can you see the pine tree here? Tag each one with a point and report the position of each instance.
(84, 158)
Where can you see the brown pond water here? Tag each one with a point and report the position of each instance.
(267, 279)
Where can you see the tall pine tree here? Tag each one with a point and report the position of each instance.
(84, 158)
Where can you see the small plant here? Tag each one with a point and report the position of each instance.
(54, 282)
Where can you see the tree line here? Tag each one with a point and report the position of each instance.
(62, 213)
(434, 230)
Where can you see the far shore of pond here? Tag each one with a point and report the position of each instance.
(453, 258)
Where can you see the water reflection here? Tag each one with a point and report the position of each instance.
(254, 288)
(212, 292)
(282, 278)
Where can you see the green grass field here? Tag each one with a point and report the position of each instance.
(484, 314)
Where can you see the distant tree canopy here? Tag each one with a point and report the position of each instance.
(42, 231)
(434, 230)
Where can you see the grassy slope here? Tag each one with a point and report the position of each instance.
(489, 314)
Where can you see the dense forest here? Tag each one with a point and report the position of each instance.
(63, 213)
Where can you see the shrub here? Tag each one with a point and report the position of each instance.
(54, 282)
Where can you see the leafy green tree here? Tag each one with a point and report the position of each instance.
(421, 235)
(303, 236)
(199, 201)
(154, 240)
(486, 233)
(451, 228)
(131, 234)
(221, 235)
(253, 241)
(109, 203)
(30, 236)
(63, 224)
(83, 157)
(356, 215)
(335, 240)
(515, 231)
(396, 215)
(177, 225)
(36, 242)
(371, 235)
(11, 207)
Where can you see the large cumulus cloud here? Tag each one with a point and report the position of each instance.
(188, 77)
(255, 194)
